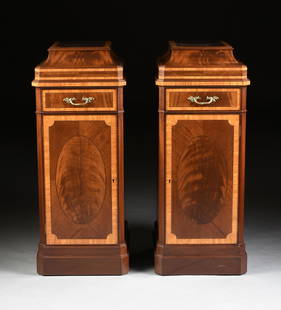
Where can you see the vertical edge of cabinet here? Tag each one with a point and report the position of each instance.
(120, 161)
(161, 169)
(242, 160)
(40, 165)
(120, 170)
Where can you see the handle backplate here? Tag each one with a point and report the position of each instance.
(209, 99)
(86, 100)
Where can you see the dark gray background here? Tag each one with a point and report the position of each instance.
(139, 35)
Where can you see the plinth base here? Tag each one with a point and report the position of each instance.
(228, 259)
(82, 260)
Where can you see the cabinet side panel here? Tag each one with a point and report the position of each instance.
(161, 168)
(80, 179)
(242, 176)
(202, 159)
(121, 215)
(40, 164)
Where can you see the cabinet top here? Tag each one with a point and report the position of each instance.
(201, 63)
(81, 64)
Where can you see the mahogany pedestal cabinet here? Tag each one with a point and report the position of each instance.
(202, 118)
(79, 108)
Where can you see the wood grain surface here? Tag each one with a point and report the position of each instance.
(206, 82)
(201, 66)
(201, 161)
(201, 55)
(79, 66)
(103, 99)
(80, 162)
(177, 99)
(80, 180)
(202, 179)
(82, 259)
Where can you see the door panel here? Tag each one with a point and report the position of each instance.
(80, 156)
(202, 178)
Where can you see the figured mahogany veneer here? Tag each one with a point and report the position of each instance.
(191, 65)
(79, 66)
(202, 179)
(201, 161)
(80, 161)
(101, 100)
(178, 99)
(81, 188)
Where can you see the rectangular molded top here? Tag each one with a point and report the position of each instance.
(199, 44)
(80, 45)
(201, 64)
(80, 64)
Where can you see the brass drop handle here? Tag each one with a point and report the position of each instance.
(85, 100)
(208, 98)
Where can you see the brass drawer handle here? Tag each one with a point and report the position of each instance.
(210, 99)
(85, 99)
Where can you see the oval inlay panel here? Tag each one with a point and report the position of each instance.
(201, 183)
(80, 180)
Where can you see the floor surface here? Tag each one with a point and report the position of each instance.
(22, 288)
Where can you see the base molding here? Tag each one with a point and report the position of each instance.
(227, 259)
(82, 259)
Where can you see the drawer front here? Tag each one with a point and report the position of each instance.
(79, 100)
(203, 99)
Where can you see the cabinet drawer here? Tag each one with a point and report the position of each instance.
(79, 100)
(203, 99)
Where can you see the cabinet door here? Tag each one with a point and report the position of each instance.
(202, 155)
(80, 173)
